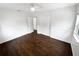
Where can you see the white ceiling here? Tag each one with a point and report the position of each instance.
(38, 6)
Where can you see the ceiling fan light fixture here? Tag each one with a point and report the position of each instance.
(32, 9)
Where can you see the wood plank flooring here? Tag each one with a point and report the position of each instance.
(34, 44)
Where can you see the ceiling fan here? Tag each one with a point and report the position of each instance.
(34, 6)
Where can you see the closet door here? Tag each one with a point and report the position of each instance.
(43, 24)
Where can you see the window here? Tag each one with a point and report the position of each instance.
(76, 32)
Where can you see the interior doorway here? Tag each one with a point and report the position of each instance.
(35, 23)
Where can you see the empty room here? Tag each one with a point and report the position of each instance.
(39, 29)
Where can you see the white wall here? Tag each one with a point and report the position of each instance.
(62, 23)
(14, 24)
(58, 23)
(75, 49)
(75, 40)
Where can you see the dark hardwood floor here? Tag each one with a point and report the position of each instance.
(34, 44)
